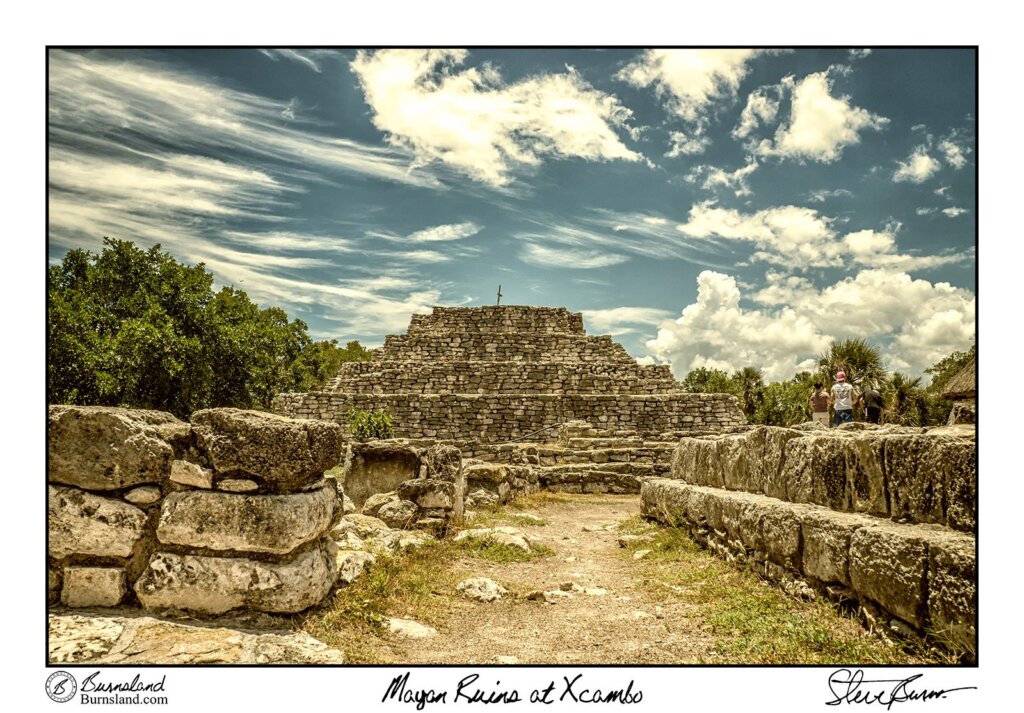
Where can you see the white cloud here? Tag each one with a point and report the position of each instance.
(953, 212)
(442, 233)
(761, 109)
(684, 145)
(313, 59)
(954, 153)
(547, 256)
(944, 192)
(472, 121)
(800, 238)
(820, 125)
(623, 320)
(859, 53)
(712, 178)
(793, 321)
(926, 211)
(918, 168)
(820, 196)
(692, 81)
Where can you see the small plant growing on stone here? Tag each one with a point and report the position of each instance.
(370, 425)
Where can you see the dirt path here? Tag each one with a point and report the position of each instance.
(625, 625)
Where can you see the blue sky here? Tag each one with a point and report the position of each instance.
(708, 207)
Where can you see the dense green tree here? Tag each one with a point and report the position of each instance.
(945, 369)
(708, 381)
(905, 401)
(750, 387)
(134, 327)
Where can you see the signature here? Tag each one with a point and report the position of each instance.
(851, 687)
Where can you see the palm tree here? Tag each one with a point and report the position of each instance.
(750, 385)
(861, 361)
(906, 402)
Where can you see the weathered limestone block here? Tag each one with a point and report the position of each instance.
(443, 462)
(275, 524)
(826, 544)
(238, 485)
(379, 467)
(961, 484)
(952, 589)
(186, 473)
(865, 471)
(375, 502)
(81, 523)
(486, 475)
(814, 470)
(284, 452)
(352, 564)
(143, 495)
(772, 472)
(428, 492)
(888, 564)
(214, 585)
(142, 640)
(915, 468)
(53, 584)
(104, 448)
(93, 586)
(741, 456)
(399, 514)
(780, 533)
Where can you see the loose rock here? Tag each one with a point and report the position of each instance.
(481, 589)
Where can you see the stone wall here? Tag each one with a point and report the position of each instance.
(492, 374)
(229, 511)
(491, 418)
(883, 517)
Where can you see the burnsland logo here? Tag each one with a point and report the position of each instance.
(61, 686)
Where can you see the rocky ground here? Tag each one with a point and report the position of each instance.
(587, 592)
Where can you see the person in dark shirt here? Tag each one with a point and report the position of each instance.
(873, 405)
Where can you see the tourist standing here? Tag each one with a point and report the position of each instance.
(819, 401)
(842, 399)
(873, 405)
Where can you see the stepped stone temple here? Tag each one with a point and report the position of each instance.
(493, 374)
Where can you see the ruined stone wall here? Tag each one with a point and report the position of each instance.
(879, 516)
(490, 374)
(230, 511)
(494, 418)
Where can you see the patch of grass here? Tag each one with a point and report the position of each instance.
(755, 622)
(635, 525)
(496, 515)
(500, 552)
(419, 584)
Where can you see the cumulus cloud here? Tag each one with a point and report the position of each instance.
(799, 238)
(918, 168)
(474, 122)
(953, 212)
(954, 153)
(820, 126)
(684, 145)
(791, 321)
(713, 178)
(859, 53)
(693, 83)
(761, 109)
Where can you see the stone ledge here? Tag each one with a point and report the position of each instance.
(924, 575)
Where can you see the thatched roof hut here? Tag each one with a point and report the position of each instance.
(963, 385)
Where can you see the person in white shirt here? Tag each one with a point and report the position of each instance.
(842, 399)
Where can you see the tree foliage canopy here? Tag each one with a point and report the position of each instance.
(785, 403)
(133, 327)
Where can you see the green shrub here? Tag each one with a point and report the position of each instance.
(370, 425)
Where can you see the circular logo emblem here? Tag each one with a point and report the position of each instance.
(61, 686)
